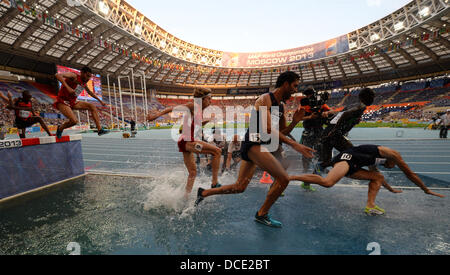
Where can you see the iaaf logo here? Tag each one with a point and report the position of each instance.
(73, 3)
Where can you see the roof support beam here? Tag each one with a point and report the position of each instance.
(36, 24)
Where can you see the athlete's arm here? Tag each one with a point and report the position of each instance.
(298, 116)
(94, 95)
(62, 78)
(14, 106)
(266, 103)
(2, 96)
(392, 190)
(347, 115)
(397, 158)
(152, 117)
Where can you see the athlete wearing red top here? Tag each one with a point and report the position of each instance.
(189, 146)
(25, 116)
(72, 85)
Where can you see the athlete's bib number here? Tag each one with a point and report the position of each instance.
(275, 117)
(10, 144)
(380, 161)
(24, 114)
(346, 157)
(78, 90)
(255, 137)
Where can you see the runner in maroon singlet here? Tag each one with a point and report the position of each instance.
(189, 146)
(72, 85)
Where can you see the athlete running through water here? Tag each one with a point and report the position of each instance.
(254, 150)
(349, 163)
(72, 86)
(187, 143)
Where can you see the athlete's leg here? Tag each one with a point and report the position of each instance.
(334, 176)
(189, 161)
(267, 162)
(38, 119)
(246, 172)
(67, 112)
(92, 109)
(376, 181)
(206, 148)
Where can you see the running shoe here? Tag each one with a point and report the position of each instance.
(377, 211)
(102, 132)
(268, 221)
(200, 198)
(218, 185)
(59, 133)
(308, 187)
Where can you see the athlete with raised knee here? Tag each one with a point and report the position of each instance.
(188, 144)
(66, 101)
(350, 163)
(257, 146)
(25, 116)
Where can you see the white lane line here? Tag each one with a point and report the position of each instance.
(428, 173)
(146, 176)
(119, 174)
(132, 150)
(425, 156)
(124, 162)
(430, 163)
(132, 156)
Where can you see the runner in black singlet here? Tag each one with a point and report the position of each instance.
(350, 163)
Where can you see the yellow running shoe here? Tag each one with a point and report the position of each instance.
(377, 211)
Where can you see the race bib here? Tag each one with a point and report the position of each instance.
(24, 114)
(78, 90)
(256, 137)
(346, 157)
(336, 118)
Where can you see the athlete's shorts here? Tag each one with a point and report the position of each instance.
(357, 157)
(245, 148)
(23, 123)
(182, 145)
(69, 103)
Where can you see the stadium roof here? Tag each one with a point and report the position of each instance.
(113, 38)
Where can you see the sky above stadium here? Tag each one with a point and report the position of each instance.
(263, 25)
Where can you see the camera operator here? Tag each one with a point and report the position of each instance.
(316, 115)
(445, 124)
(335, 134)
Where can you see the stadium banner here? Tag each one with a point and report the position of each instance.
(320, 50)
(95, 84)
